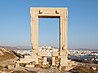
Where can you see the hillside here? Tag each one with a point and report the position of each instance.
(6, 54)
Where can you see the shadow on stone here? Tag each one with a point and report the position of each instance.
(32, 72)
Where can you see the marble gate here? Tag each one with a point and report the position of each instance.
(61, 13)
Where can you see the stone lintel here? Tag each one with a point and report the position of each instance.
(51, 11)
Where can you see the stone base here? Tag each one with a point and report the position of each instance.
(63, 61)
(30, 65)
(45, 65)
(68, 67)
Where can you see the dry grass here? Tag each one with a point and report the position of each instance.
(82, 69)
(20, 71)
(1, 67)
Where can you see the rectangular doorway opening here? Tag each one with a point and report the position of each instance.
(49, 32)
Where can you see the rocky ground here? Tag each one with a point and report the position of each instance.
(6, 54)
(8, 57)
